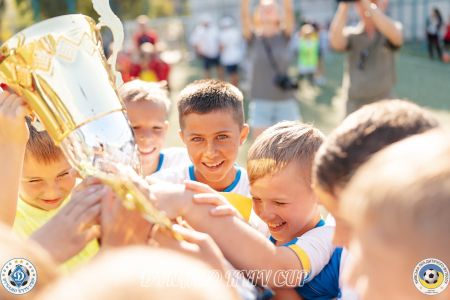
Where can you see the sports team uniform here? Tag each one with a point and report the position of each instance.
(172, 158)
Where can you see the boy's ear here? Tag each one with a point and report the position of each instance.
(180, 133)
(244, 133)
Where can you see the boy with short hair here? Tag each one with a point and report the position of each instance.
(354, 141)
(45, 183)
(148, 108)
(212, 127)
(280, 172)
(398, 205)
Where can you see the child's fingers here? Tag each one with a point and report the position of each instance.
(213, 199)
(198, 187)
(90, 216)
(21, 107)
(94, 232)
(9, 101)
(88, 181)
(190, 235)
(86, 199)
(109, 203)
(223, 211)
(23, 110)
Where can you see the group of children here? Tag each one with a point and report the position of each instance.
(382, 215)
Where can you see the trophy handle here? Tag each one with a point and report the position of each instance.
(110, 20)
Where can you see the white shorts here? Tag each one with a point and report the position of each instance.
(265, 113)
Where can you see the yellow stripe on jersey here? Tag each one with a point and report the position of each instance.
(303, 257)
(241, 203)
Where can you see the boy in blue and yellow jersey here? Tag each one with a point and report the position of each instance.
(279, 168)
(212, 127)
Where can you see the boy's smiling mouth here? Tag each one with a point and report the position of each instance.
(51, 201)
(147, 152)
(213, 166)
(276, 226)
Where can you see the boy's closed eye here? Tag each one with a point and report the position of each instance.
(278, 203)
(64, 174)
(37, 180)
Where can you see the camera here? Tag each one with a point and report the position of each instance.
(284, 82)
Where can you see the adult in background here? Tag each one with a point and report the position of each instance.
(231, 49)
(268, 32)
(434, 25)
(369, 73)
(205, 40)
(144, 34)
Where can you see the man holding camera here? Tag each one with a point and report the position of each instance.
(268, 31)
(370, 70)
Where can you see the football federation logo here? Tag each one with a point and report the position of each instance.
(430, 276)
(18, 276)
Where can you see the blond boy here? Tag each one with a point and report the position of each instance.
(148, 108)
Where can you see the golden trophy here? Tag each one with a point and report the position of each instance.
(59, 67)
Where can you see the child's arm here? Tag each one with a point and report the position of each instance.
(13, 139)
(242, 245)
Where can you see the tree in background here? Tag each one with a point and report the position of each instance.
(32, 11)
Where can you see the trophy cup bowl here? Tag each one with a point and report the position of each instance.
(59, 67)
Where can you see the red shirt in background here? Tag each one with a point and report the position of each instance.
(447, 34)
(154, 70)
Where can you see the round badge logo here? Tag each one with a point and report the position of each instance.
(430, 276)
(18, 276)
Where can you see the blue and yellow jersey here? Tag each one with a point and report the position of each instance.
(315, 251)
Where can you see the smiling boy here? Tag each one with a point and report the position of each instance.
(148, 108)
(212, 128)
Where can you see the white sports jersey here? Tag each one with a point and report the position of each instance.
(173, 158)
(240, 184)
(314, 248)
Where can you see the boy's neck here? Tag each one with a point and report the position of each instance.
(218, 186)
(152, 166)
(309, 226)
